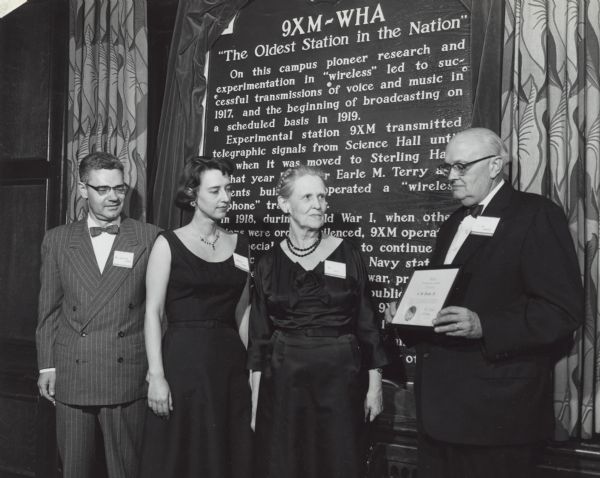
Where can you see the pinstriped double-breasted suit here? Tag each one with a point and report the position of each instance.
(91, 323)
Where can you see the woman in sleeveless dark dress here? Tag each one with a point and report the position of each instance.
(198, 390)
(315, 349)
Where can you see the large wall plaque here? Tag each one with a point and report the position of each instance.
(371, 91)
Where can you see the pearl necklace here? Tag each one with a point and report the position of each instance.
(302, 252)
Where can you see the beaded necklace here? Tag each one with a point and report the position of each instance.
(208, 243)
(302, 252)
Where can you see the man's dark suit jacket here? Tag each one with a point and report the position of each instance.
(91, 325)
(525, 285)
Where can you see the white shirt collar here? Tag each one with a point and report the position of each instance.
(93, 223)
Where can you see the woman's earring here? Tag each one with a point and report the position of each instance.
(193, 204)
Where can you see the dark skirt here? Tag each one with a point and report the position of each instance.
(310, 417)
(208, 434)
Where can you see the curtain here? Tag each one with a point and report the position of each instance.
(486, 61)
(197, 26)
(551, 122)
(108, 88)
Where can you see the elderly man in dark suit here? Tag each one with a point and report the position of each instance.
(90, 338)
(484, 374)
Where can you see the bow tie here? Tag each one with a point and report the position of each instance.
(474, 211)
(112, 229)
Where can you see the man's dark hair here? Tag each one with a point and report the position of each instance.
(98, 160)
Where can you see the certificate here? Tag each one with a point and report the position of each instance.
(424, 296)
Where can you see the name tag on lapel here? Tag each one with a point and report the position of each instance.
(241, 262)
(123, 259)
(335, 269)
(485, 226)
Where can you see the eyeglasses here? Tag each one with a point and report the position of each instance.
(119, 190)
(461, 168)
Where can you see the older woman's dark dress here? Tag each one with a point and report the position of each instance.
(314, 335)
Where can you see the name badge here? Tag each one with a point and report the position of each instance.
(123, 259)
(335, 269)
(485, 226)
(241, 262)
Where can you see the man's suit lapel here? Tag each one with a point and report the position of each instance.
(81, 256)
(113, 276)
(496, 208)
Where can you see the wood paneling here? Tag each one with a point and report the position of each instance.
(25, 56)
(394, 461)
(23, 226)
(18, 406)
(33, 87)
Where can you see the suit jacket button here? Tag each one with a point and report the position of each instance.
(121, 333)
(74, 308)
(76, 360)
(120, 360)
(131, 306)
(426, 354)
(83, 334)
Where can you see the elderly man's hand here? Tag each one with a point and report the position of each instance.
(458, 322)
(390, 311)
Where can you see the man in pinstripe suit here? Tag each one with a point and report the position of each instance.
(90, 339)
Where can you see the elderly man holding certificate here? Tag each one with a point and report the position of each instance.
(484, 366)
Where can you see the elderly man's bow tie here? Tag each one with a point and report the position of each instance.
(112, 229)
(474, 211)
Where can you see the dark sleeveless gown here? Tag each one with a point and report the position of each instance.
(208, 433)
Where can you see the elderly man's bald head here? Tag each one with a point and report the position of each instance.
(485, 137)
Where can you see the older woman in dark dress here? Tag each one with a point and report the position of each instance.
(315, 350)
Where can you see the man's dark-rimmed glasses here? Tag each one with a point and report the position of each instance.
(461, 168)
(119, 190)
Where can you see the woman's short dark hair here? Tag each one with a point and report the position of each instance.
(289, 176)
(192, 177)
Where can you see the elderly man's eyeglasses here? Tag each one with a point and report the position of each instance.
(461, 168)
(119, 190)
